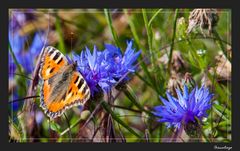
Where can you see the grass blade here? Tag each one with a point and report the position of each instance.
(15, 60)
(133, 29)
(61, 45)
(153, 17)
(109, 21)
(173, 39)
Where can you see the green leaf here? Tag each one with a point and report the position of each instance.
(149, 35)
(55, 127)
(173, 39)
(153, 17)
(133, 29)
(15, 60)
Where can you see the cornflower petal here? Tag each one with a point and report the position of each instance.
(184, 109)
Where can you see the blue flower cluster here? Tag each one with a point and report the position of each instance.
(25, 57)
(105, 68)
(177, 112)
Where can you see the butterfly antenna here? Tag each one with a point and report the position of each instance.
(22, 99)
(72, 34)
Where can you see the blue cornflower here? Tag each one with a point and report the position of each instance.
(122, 64)
(181, 111)
(104, 68)
(25, 57)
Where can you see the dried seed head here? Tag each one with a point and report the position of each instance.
(206, 81)
(174, 83)
(188, 80)
(203, 18)
(222, 69)
(177, 61)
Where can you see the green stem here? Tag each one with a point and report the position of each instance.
(109, 21)
(116, 118)
(153, 17)
(15, 60)
(133, 99)
(60, 32)
(173, 38)
(70, 127)
(149, 35)
(219, 41)
(133, 29)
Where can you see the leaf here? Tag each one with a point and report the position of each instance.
(55, 127)
(153, 17)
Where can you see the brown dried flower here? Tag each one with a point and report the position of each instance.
(203, 18)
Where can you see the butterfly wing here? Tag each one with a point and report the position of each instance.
(52, 61)
(78, 93)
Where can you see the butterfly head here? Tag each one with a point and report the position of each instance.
(74, 65)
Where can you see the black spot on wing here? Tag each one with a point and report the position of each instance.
(76, 80)
(56, 56)
(60, 61)
(52, 70)
(87, 93)
(84, 89)
(63, 97)
(51, 52)
(80, 83)
(70, 90)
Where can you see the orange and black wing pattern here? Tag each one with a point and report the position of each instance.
(51, 63)
(75, 89)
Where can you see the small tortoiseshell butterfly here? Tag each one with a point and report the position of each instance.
(62, 87)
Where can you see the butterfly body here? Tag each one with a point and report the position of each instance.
(61, 85)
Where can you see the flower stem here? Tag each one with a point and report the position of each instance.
(219, 41)
(173, 38)
(109, 21)
(149, 35)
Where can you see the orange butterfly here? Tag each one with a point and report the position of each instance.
(62, 87)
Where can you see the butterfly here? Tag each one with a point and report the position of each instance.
(62, 86)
